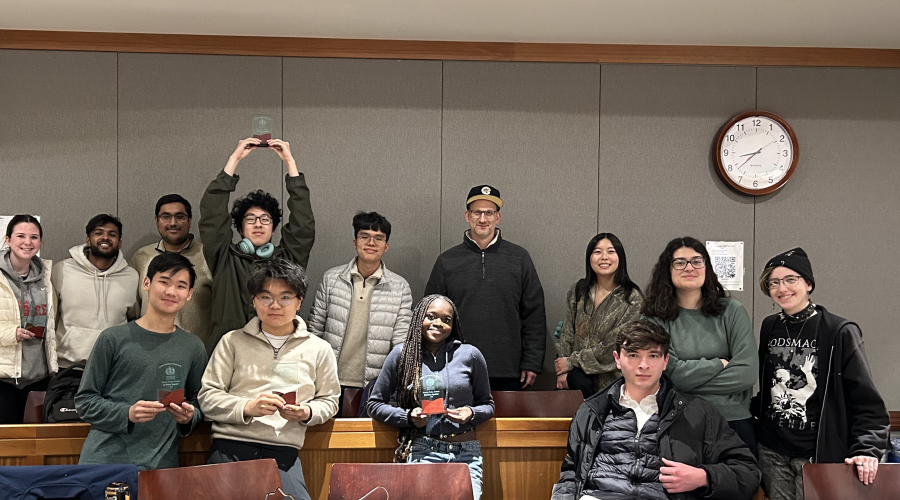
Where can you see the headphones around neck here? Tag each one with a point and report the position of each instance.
(263, 252)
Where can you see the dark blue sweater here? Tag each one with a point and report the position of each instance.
(467, 385)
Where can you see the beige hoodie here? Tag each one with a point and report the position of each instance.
(243, 366)
(90, 301)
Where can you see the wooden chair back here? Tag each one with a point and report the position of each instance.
(537, 404)
(398, 481)
(248, 480)
(34, 408)
(841, 482)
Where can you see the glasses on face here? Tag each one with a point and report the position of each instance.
(488, 214)
(167, 218)
(264, 219)
(680, 264)
(377, 238)
(268, 300)
(788, 280)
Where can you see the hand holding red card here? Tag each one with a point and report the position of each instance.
(290, 398)
(176, 396)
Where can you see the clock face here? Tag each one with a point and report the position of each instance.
(756, 152)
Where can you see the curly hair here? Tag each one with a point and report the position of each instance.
(411, 369)
(660, 300)
(258, 198)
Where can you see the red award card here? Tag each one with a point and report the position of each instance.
(37, 331)
(434, 407)
(290, 398)
(176, 396)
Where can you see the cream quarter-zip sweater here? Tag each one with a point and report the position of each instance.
(243, 366)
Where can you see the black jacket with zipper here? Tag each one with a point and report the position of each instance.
(690, 431)
(854, 420)
(500, 302)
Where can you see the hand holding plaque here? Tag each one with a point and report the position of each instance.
(262, 129)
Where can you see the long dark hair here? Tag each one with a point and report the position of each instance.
(660, 300)
(621, 278)
(411, 368)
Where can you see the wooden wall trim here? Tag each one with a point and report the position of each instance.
(443, 50)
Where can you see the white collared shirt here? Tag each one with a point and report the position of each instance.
(643, 410)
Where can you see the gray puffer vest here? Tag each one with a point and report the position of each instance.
(390, 312)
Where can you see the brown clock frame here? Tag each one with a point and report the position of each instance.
(720, 167)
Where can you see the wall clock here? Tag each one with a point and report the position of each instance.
(756, 152)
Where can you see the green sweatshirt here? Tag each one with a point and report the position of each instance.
(231, 304)
(699, 342)
(124, 368)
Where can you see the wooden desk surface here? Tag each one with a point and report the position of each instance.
(522, 456)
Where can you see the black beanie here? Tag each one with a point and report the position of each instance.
(796, 260)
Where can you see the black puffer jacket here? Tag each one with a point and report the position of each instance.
(690, 431)
(627, 463)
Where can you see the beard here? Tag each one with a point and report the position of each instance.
(100, 254)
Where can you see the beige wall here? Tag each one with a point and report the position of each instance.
(574, 149)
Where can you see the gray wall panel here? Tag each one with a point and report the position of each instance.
(180, 117)
(368, 138)
(530, 130)
(58, 141)
(657, 128)
(841, 205)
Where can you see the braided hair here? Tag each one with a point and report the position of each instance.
(411, 369)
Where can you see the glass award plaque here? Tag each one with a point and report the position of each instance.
(432, 393)
(285, 379)
(262, 129)
(170, 383)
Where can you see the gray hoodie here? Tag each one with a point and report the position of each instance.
(32, 296)
(90, 301)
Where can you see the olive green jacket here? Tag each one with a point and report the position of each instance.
(588, 337)
(231, 304)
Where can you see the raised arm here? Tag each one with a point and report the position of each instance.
(215, 218)
(299, 234)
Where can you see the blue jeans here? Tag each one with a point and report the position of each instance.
(426, 450)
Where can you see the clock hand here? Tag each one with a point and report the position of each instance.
(758, 151)
(767, 145)
(748, 159)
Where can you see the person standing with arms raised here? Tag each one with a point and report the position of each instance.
(255, 216)
(497, 289)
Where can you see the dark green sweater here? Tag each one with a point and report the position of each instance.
(121, 371)
(231, 304)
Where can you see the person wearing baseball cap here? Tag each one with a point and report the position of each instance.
(817, 401)
(496, 288)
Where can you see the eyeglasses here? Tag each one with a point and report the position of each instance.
(167, 218)
(268, 300)
(696, 263)
(789, 280)
(377, 238)
(488, 214)
(264, 219)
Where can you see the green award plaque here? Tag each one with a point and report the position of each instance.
(432, 393)
(262, 129)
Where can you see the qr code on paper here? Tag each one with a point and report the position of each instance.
(724, 267)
